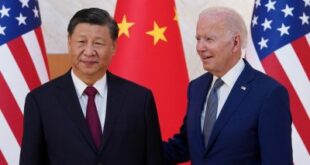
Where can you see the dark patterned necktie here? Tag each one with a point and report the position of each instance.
(211, 111)
(92, 117)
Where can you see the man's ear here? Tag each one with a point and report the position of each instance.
(69, 42)
(114, 46)
(236, 43)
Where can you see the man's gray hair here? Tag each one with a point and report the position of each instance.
(232, 20)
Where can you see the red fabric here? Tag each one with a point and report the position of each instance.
(156, 64)
(2, 159)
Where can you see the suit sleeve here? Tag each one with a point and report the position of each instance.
(176, 149)
(154, 155)
(33, 151)
(275, 129)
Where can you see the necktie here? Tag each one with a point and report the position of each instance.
(92, 117)
(211, 111)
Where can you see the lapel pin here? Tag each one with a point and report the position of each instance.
(243, 88)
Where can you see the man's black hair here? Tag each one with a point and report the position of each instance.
(94, 16)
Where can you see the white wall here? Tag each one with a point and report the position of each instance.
(56, 14)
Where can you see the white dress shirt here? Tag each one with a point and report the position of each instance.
(100, 98)
(229, 81)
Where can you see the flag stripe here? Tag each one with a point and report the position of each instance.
(34, 50)
(23, 60)
(23, 66)
(2, 160)
(11, 110)
(39, 35)
(299, 115)
(8, 144)
(296, 74)
(302, 49)
(13, 76)
(300, 153)
(308, 38)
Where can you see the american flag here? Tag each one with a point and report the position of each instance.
(23, 66)
(279, 46)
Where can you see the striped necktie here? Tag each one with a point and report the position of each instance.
(211, 111)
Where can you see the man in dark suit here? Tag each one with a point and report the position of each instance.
(236, 115)
(90, 116)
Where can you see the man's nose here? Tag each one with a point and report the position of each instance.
(200, 46)
(89, 50)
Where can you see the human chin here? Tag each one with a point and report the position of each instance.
(89, 71)
(88, 66)
(207, 66)
(207, 63)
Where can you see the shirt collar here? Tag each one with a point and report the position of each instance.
(232, 75)
(80, 86)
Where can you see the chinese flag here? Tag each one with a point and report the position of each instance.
(150, 53)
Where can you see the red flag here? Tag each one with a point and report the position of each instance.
(150, 53)
(279, 46)
(2, 159)
(23, 66)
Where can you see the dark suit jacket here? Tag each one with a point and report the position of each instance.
(55, 130)
(254, 126)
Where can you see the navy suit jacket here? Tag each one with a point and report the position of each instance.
(254, 126)
(55, 130)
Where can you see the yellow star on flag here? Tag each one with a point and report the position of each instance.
(157, 33)
(176, 16)
(124, 26)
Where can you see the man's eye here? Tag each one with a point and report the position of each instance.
(81, 41)
(98, 43)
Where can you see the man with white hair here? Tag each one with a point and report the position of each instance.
(236, 115)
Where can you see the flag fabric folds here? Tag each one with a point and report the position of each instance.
(150, 53)
(279, 46)
(23, 66)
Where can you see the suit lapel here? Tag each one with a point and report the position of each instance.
(115, 99)
(69, 99)
(198, 98)
(236, 96)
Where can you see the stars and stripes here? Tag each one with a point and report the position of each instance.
(281, 22)
(279, 46)
(23, 66)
